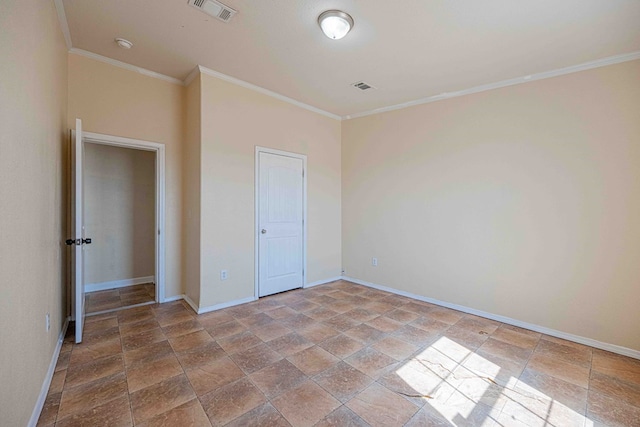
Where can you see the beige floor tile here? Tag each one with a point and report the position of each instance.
(342, 417)
(182, 328)
(380, 407)
(201, 355)
(365, 334)
(239, 342)
(571, 353)
(144, 374)
(616, 366)
(225, 329)
(313, 360)
(609, 411)
(575, 374)
(231, 401)
(148, 353)
(624, 391)
(190, 341)
(271, 331)
(255, 358)
(50, 409)
(384, 324)
(211, 376)
(305, 405)
(371, 362)
(114, 413)
(262, 416)
(318, 332)
(515, 336)
(57, 381)
(83, 352)
(159, 398)
(343, 381)
(278, 378)
(94, 370)
(92, 394)
(141, 339)
(341, 346)
(190, 414)
(395, 347)
(289, 344)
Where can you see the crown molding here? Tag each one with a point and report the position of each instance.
(64, 25)
(126, 66)
(611, 60)
(216, 74)
(192, 75)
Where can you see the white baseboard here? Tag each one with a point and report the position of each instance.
(544, 330)
(192, 304)
(222, 305)
(173, 298)
(35, 415)
(115, 284)
(322, 282)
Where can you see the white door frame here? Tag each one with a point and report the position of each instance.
(256, 215)
(158, 149)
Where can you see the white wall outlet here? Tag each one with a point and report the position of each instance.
(374, 262)
(47, 319)
(224, 275)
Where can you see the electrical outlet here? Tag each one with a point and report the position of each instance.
(224, 275)
(374, 262)
(48, 321)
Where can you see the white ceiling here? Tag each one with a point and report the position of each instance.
(408, 50)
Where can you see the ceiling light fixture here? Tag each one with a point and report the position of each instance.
(125, 44)
(335, 24)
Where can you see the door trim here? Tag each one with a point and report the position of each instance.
(159, 149)
(256, 214)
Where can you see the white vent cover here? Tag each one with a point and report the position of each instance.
(214, 8)
(362, 86)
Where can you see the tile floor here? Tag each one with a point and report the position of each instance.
(114, 299)
(338, 354)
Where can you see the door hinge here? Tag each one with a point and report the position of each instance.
(303, 173)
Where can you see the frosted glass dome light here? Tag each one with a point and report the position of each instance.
(335, 24)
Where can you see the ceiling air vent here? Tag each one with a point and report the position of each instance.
(214, 8)
(362, 86)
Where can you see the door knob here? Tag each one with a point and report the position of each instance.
(87, 241)
(263, 231)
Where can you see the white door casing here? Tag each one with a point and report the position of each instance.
(77, 145)
(280, 231)
(78, 139)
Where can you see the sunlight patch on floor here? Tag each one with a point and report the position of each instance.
(466, 388)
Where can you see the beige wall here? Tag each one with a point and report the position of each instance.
(33, 91)
(114, 101)
(119, 213)
(191, 194)
(234, 121)
(522, 201)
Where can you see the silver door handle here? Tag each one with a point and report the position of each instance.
(263, 231)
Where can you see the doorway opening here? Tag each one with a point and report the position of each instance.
(118, 197)
(119, 215)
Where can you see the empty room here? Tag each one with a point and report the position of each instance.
(320, 213)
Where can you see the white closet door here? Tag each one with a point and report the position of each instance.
(280, 230)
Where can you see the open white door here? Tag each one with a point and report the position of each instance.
(280, 223)
(77, 148)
